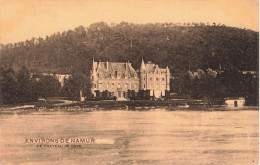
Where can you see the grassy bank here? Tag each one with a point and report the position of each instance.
(132, 104)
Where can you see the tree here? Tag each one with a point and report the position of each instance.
(75, 84)
(9, 86)
(48, 86)
(24, 93)
(205, 85)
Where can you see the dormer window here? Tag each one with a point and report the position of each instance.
(118, 85)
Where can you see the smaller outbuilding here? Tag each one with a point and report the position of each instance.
(235, 101)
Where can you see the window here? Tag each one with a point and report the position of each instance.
(113, 85)
(135, 85)
(151, 78)
(126, 85)
(100, 85)
(118, 85)
(157, 78)
(98, 75)
(144, 85)
(110, 75)
(162, 79)
(144, 78)
(95, 85)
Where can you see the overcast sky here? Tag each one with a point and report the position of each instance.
(24, 19)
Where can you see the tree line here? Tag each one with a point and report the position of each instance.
(182, 47)
(25, 86)
(191, 47)
(213, 86)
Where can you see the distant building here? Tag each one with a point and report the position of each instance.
(60, 76)
(254, 73)
(120, 79)
(235, 101)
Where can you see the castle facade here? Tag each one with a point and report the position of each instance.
(123, 81)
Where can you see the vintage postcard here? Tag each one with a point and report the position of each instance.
(129, 82)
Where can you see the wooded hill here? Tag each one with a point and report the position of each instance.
(181, 47)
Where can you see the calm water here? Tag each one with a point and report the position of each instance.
(149, 137)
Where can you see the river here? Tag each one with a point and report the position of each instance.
(157, 136)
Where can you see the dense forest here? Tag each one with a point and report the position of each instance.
(188, 49)
(183, 48)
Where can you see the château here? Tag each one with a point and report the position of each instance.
(122, 81)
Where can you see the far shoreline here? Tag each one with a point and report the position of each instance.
(132, 105)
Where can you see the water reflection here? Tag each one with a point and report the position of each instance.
(157, 136)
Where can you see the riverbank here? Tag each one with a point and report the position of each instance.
(140, 105)
(132, 104)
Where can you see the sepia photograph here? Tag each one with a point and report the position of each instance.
(122, 82)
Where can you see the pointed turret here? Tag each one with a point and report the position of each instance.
(94, 76)
(143, 84)
(142, 67)
(93, 66)
(167, 70)
(168, 75)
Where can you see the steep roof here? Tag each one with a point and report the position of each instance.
(112, 67)
(149, 67)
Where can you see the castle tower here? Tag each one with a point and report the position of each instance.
(94, 72)
(168, 78)
(143, 84)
